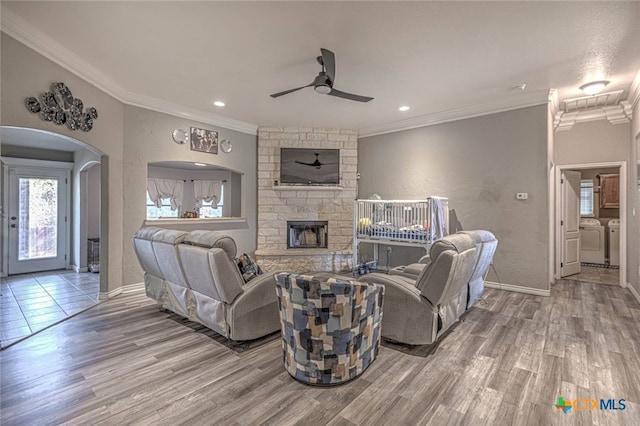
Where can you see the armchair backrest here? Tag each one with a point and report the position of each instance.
(207, 258)
(486, 244)
(142, 245)
(164, 244)
(452, 261)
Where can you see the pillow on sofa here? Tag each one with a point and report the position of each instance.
(248, 267)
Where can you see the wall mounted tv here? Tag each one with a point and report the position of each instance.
(301, 166)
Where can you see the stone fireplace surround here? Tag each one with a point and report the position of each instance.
(279, 204)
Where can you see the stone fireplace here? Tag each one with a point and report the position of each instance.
(307, 234)
(281, 205)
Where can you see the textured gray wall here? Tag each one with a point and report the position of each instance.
(26, 73)
(479, 164)
(592, 142)
(147, 139)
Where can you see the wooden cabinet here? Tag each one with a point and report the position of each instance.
(610, 191)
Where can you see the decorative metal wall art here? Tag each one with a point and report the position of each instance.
(60, 107)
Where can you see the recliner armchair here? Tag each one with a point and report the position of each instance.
(419, 311)
(194, 275)
(486, 244)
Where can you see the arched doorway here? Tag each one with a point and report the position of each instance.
(81, 212)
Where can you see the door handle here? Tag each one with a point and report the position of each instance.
(13, 225)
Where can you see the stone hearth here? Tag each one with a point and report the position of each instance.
(279, 204)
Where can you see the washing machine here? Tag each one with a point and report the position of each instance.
(614, 242)
(592, 243)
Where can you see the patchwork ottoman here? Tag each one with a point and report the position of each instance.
(330, 328)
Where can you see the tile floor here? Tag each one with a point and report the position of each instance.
(592, 274)
(32, 302)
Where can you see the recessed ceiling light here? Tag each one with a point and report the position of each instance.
(199, 164)
(594, 87)
(404, 108)
(219, 103)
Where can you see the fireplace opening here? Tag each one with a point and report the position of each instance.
(309, 234)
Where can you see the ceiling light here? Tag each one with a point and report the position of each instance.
(322, 89)
(219, 103)
(404, 108)
(199, 164)
(594, 87)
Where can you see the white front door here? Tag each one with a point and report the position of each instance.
(37, 217)
(570, 223)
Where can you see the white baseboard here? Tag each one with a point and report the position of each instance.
(78, 269)
(634, 292)
(124, 289)
(133, 287)
(110, 294)
(517, 288)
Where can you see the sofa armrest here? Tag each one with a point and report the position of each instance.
(254, 312)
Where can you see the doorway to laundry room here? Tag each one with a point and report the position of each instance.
(591, 210)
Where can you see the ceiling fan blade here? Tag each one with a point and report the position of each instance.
(306, 164)
(329, 61)
(275, 95)
(349, 96)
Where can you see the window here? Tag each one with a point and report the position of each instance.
(154, 212)
(586, 197)
(207, 211)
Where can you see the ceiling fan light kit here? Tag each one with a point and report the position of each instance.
(323, 83)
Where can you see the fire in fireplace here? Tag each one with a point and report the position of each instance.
(308, 234)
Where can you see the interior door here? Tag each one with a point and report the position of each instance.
(570, 223)
(37, 217)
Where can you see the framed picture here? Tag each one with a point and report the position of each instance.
(204, 140)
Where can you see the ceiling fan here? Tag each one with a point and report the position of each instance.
(317, 164)
(323, 83)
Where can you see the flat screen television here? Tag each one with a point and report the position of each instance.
(302, 166)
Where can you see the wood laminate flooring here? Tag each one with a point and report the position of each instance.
(126, 362)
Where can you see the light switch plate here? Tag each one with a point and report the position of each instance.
(522, 196)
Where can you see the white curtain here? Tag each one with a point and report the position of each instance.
(207, 190)
(165, 188)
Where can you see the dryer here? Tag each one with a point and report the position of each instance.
(614, 242)
(592, 243)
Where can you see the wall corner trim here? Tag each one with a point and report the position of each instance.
(634, 292)
(518, 288)
(109, 294)
(129, 288)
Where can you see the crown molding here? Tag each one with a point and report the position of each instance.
(522, 100)
(32, 37)
(554, 102)
(616, 114)
(634, 91)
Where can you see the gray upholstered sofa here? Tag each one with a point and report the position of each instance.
(486, 244)
(419, 311)
(194, 275)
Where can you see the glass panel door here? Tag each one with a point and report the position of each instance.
(37, 219)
